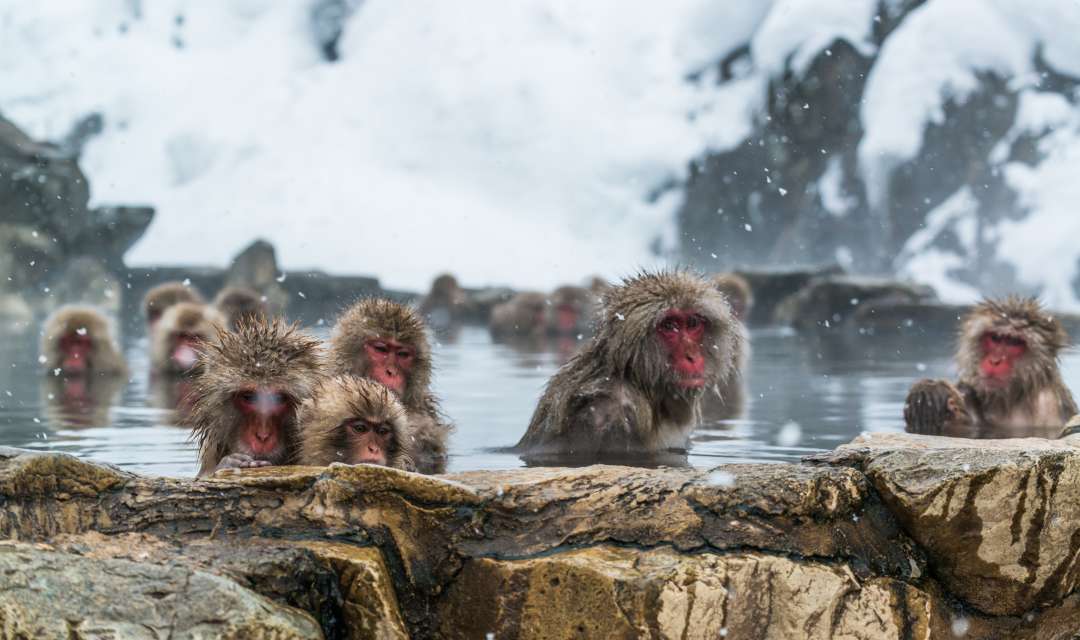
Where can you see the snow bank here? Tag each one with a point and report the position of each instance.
(509, 142)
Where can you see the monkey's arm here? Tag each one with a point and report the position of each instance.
(936, 407)
(604, 422)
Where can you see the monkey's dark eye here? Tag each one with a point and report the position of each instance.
(695, 321)
(404, 354)
(381, 348)
(247, 397)
(382, 429)
(359, 426)
(995, 338)
(669, 325)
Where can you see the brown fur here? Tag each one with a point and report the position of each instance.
(184, 317)
(737, 291)
(165, 295)
(584, 304)
(105, 357)
(373, 318)
(445, 294)
(1036, 396)
(256, 353)
(523, 315)
(323, 421)
(237, 303)
(618, 395)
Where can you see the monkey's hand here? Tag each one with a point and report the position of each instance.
(240, 461)
(935, 407)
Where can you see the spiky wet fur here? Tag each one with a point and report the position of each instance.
(105, 357)
(1035, 371)
(258, 353)
(165, 295)
(618, 393)
(324, 419)
(184, 317)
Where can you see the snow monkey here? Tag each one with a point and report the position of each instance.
(355, 420)
(737, 291)
(158, 300)
(523, 315)
(570, 312)
(1009, 386)
(237, 303)
(387, 342)
(446, 304)
(180, 331)
(249, 384)
(77, 341)
(661, 341)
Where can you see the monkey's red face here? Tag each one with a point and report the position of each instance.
(75, 349)
(682, 334)
(1000, 353)
(183, 353)
(369, 442)
(566, 318)
(264, 412)
(389, 362)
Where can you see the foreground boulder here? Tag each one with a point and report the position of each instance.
(890, 537)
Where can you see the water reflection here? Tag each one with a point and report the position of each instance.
(829, 391)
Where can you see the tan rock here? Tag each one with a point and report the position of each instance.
(624, 593)
(999, 519)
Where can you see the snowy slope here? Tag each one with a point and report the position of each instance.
(511, 142)
(514, 142)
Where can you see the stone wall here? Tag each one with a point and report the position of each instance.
(892, 536)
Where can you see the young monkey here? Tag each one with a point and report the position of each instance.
(355, 421)
(387, 342)
(247, 390)
(77, 341)
(1009, 386)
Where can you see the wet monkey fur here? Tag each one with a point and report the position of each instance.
(249, 384)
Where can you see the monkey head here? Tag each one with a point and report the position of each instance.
(182, 328)
(77, 341)
(236, 303)
(1009, 346)
(736, 290)
(355, 420)
(570, 310)
(387, 342)
(669, 331)
(158, 299)
(250, 382)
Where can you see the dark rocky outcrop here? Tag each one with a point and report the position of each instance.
(892, 536)
(50, 233)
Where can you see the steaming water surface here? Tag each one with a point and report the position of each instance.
(802, 396)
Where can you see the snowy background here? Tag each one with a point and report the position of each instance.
(540, 141)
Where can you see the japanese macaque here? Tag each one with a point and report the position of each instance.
(737, 292)
(444, 306)
(84, 368)
(387, 342)
(523, 315)
(239, 303)
(77, 341)
(184, 326)
(1009, 383)
(570, 313)
(663, 339)
(355, 420)
(158, 300)
(249, 385)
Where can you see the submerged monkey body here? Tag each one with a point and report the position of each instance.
(661, 341)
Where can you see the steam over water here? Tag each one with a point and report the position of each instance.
(803, 396)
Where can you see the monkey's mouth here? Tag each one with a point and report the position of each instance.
(692, 382)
